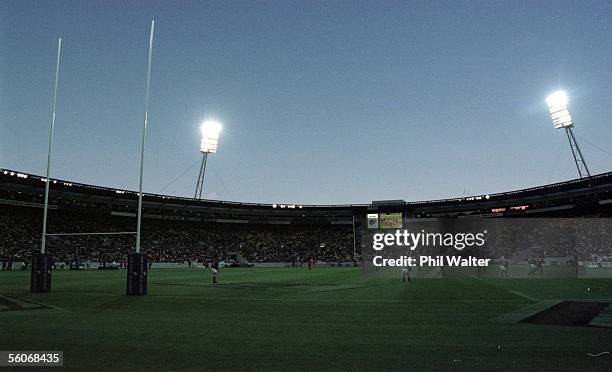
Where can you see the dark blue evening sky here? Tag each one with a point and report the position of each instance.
(322, 102)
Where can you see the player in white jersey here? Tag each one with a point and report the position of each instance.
(503, 269)
(215, 270)
(406, 274)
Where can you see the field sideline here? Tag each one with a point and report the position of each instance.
(292, 318)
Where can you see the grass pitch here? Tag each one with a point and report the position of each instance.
(295, 319)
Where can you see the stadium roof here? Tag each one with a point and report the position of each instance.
(598, 185)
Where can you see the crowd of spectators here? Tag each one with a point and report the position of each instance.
(551, 237)
(168, 240)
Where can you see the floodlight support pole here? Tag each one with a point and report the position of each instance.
(195, 194)
(144, 135)
(200, 183)
(44, 227)
(583, 169)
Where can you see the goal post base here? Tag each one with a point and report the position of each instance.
(137, 274)
(41, 272)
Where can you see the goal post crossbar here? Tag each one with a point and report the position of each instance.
(94, 233)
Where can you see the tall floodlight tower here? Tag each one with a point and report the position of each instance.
(210, 140)
(557, 106)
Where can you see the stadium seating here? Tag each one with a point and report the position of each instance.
(179, 229)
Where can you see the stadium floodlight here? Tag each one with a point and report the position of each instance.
(210, 136)
(210, 140)
(557, 106)
(561, 118)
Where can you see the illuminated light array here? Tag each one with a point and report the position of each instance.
(290, 206)
(210, 136)
(557, 106)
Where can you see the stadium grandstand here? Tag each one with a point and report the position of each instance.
(187, 231)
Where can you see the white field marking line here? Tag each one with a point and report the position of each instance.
(521, 294)
(518, 293)
(598, 354)
(30, 308)
(36, 312)
(204, 297)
